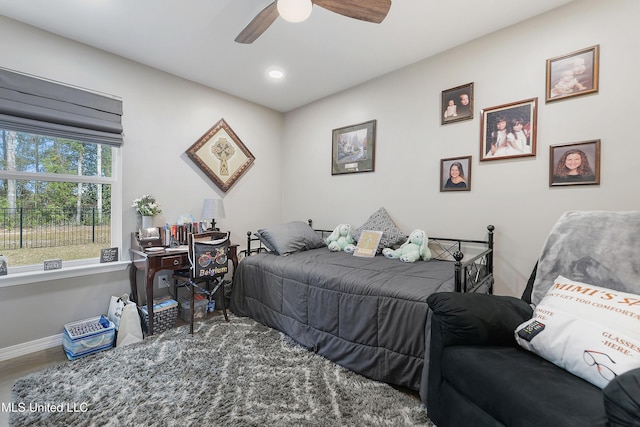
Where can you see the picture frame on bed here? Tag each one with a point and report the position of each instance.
(573, 74)
(457, 104)
(354, 148)
(576, 163)
(509, 130)
(455, 174)
(221, 155)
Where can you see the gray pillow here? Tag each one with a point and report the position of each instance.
(381, 221)
(291, 237)
(596, 247)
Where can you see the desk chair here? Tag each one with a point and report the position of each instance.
(209, 259)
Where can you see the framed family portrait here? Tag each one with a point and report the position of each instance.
(221, 155)
(509, 130)
(576, 163)
(457, 104)
(353, 148)
(455, 174)
(573, 74)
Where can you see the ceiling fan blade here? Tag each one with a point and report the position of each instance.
(259, 24)
(370, 10)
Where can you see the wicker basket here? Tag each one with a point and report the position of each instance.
(164, 316)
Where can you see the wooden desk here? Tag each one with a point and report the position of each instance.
(153, 262)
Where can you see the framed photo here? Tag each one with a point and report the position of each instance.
(354, 148)
(509, 130)
(221, 155)
(573, 74)
(457, 104)
(576, 163)
(455, 174)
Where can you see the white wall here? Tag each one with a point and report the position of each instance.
(163, 117)
(514, 195)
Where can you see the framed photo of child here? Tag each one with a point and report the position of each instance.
(509, 130)
(457, 104)
(576, 163)
(573, 74)
(455, 174)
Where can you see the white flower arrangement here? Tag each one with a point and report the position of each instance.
(146, 205)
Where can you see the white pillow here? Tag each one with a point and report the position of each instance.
(590, 331)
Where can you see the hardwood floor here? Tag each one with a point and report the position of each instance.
(12, 369)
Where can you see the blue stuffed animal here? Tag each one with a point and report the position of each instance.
(341, 239)
(413, 249)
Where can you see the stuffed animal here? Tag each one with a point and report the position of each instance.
(413, 249)
(341, 239)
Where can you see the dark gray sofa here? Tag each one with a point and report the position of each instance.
(479, 376)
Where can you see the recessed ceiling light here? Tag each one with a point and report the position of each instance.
(275, 73)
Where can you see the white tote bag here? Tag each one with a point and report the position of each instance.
(115, 309)
(128, 325)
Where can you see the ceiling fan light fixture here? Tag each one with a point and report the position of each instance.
(294, 10)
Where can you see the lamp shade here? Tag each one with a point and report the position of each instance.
(212, 208)
(294, 10)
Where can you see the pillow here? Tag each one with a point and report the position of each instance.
(381, 221)
(596, 247)
(291, 237)
(590, 331)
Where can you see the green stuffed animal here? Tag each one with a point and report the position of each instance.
(413, 249)
(341, 239)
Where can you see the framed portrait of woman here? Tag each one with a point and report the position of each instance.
(455, 174)
(576, 163)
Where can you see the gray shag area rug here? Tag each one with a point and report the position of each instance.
(239, 373)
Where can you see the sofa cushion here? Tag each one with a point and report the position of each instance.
(518, 388)
(591, 331)
(597, 247)
(622, 399)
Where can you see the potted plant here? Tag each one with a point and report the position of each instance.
(147, 207)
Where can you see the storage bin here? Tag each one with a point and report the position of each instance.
(165, 313)
(200, 305)
(88, 336)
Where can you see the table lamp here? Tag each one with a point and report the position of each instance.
(213, 208)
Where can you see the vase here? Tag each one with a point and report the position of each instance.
(147, 221)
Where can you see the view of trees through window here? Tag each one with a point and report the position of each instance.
(55, 198)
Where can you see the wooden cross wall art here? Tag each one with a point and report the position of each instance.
(221, 155)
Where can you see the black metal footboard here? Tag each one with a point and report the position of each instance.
(473, 273)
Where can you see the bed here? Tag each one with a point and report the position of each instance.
(369, 315)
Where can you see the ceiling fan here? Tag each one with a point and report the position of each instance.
(364, 10)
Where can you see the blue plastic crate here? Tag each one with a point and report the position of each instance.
(88, 336)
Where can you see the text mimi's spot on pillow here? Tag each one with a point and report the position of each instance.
(590, 331)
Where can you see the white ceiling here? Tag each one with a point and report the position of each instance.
(327, 53)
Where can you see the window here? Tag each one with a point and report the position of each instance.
(59, 153)
(55, 198)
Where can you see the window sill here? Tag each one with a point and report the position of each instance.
(23, 278)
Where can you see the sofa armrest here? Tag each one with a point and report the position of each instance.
(622, 399)
(466, 319)
(477, 319)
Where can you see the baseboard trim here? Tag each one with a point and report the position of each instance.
(23, 349)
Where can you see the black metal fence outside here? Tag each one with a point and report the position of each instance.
(40, 228)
